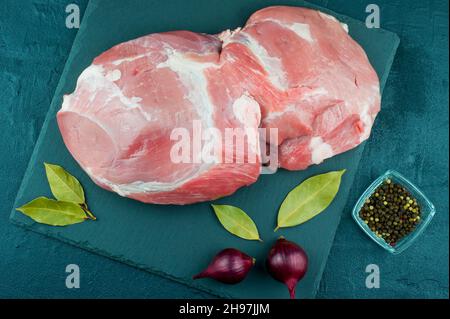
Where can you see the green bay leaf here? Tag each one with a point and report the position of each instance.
(236, 221)
(63, 185)
(309, 199)
(51, 212)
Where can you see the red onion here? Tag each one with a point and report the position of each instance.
(287, 262)
(229, 266)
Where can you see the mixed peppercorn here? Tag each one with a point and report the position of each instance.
(391, 212)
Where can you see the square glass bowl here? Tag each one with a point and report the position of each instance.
(427, 212)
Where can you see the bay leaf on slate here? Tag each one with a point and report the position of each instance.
(51, 212)
(309, 199)
(63, 185)
(236, 221)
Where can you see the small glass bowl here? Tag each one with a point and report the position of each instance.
(427, 212)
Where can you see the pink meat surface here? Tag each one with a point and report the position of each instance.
(289, 68)
(311, 79)
(118, 122)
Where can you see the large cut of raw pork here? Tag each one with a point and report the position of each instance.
(293, 69)
(119, 121)
(311, 79)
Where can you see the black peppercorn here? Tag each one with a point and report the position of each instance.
(391, 212)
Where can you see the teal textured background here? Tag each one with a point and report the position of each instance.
(160, 238)
(411, 135)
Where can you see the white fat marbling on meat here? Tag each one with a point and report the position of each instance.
(272, 65)
(273, 115)
(367, 120)
(114, 75)
(327, 16)
(302, 30)
(247, 111)
(366, 116)
(319, 150)
(315, 93)
(129, 59)
(136, 99)
(138, 186)
(135, 187)
(227, 36)
(67, 102)
(192, 75)
(95, 80)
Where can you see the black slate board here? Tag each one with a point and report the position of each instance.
(173, 241)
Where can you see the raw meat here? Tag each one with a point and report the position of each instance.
(289, 68)
(311, 79)
(118, 122)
